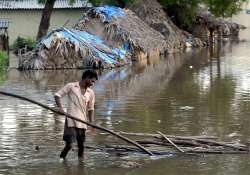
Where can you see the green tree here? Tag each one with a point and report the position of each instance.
(224, 8)
(46, 15)
(45, 20)
(182, 12)
(119, 3)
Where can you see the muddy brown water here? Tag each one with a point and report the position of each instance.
(202, 92)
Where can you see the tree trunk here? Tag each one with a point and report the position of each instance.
(45, 20)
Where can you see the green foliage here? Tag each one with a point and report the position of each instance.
(41, 1)
(24, 42)
(3, 60)
(119, 3)
(224, 8)
(183, 12)
(95, 2)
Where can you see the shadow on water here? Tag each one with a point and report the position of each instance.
(193, 93)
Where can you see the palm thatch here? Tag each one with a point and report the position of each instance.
(68, 48)
(121, 30)
(60, 54)
(206, 24)
(152, 12)
(143, 40)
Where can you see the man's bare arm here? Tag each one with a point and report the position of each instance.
(91, 116)
(58, 103)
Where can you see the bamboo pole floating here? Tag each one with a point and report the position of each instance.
(72, 117)
(165, 137)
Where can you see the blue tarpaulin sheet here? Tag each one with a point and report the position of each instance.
(115, 56)
(109, 12)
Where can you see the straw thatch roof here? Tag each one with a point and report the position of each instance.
(143, 40)
(225, 26)
(152, 12)
(68, 48)
(119, 36)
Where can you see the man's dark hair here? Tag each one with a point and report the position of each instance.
(89, 74)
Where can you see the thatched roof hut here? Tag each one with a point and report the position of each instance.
(117, 32)
(68, 48)
(118, 26)
(206, 25)
(153, 13)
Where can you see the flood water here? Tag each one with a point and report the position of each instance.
(202, 92)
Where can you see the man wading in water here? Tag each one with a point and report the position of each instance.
(80, 105)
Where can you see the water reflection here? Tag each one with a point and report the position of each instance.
(2, 76)
(203, 91)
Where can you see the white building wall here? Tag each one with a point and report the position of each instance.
(25, 23)
(33, 4)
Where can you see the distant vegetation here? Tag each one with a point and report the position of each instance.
(20, 43)
(183, 12)
(3, 66)
(3, 60)
(119, 3)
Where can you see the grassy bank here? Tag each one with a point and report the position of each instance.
(3, 60)
(3, 66)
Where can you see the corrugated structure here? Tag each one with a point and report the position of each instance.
(33, 4)
(4, 23)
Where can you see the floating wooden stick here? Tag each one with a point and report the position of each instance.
(165, 137)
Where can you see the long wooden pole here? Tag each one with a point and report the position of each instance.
(74, 118)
